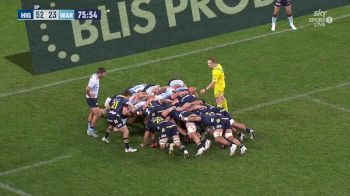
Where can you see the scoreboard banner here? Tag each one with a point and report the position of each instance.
(64, 34)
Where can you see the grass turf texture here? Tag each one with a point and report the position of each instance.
(302, 146)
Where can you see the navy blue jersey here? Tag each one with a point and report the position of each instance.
(221, 111)
(117, 103)
(188, 99)
(158, 124)
(156, 109)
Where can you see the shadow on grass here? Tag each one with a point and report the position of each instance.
(23, 60)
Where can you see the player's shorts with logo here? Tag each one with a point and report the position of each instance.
(216, 121)
(284, 3)
(167, 130)
(116, 120)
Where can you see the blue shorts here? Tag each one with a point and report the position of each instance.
(92, 102)
(116, 120)
(283, 3)
(167, 130)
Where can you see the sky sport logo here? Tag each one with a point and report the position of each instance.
(320, 18)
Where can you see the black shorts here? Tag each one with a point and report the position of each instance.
(92, 102)
(283, 3)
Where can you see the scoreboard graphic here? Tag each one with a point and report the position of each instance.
(64, 33)
(38, 14)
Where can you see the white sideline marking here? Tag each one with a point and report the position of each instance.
(35, 165)
(159, 60)
(328, 104)
(14, 190)
(293, 97)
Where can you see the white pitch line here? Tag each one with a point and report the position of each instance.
(14, 190)
(340, 108)
(158, 60)
(35, 165)
(274, 102)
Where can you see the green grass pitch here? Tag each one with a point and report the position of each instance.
(303, 140)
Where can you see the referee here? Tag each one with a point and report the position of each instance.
(218, 83)
(91, 94)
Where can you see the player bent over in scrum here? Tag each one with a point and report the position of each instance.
(233, 123)
(167, 130)
(117, 117)
(221, 130)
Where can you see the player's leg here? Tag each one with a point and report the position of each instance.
(230, 138)
(219, 138)
(192, 134)
(177, 143)
(245, 128)
(218, 98)
(90, 116)
(124, 129)
(275, 14)
(224, 103)
(289, 13)
(109, 130)
(95, 117)
(145, 138)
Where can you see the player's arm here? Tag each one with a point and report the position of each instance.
(216, 75)
(147, 103)
(210, 85)
(166, 112)
(88, 91)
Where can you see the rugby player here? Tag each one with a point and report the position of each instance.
(157, 113)
(91, 95)
(287, 4)
(117, 116)
(218, 83)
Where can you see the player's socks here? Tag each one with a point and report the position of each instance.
(108, 131)
(92, 128)
(274, 19)
(89, 124)
(126, 142)
(199, 146)
(290, 19)
(182, 147)
(224, 104)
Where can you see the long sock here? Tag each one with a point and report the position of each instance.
(126, 143)
(290, 19)
(89, 124)
(274, 19)
(199, 146)
(108, 131)
(182, 147)
(224, 104)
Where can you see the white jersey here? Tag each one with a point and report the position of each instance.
(94, 84)
(137, 88)
(166, 95)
